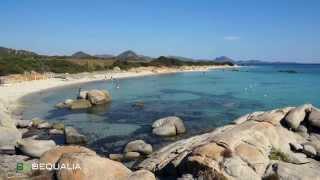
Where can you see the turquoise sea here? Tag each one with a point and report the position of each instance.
(203, 100)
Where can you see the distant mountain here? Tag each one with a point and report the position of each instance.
(132, 56)
(223, 59)
(128, 55)
(13, 52)
(181, 58)
(106, 56)
(81, 54)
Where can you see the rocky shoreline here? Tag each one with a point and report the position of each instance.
(277, 144)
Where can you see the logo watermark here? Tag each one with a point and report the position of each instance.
(28, 167)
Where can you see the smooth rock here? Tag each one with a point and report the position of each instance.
(35, 148)
(168, 126)
(131, 155)
(98, 97)
(142, 175)
(165, 130)
(116, 157)
(23, 123)
(73, 136)
(55, 131)
(93, 167)
(314, 118)
(298, 158)
(297, 115)
(309, 150)
(53, 155)
(80, 104)
(138, 146)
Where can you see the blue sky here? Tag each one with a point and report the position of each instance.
(280, 30)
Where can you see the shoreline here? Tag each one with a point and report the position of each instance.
(11, 94)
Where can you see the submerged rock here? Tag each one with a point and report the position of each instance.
(73, 136)
(169, 126)
(80, 104)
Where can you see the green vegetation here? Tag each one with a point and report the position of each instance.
(61, 64)
(278, 155)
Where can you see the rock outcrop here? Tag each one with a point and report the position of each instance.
(86, 99)
(255, 146)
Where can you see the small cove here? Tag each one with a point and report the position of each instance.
(203, 100)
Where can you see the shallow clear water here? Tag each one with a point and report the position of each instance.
(203, 100)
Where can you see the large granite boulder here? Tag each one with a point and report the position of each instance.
(169, 126)
(52, 156)
(138, 146)
(92, 167)
(297, 115)
(35, 148)
(97, 97)
(314, 118)
(142, 175)
(73, 136)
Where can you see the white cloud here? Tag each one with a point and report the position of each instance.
(231, 38)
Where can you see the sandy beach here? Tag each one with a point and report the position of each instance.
(11, 93)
